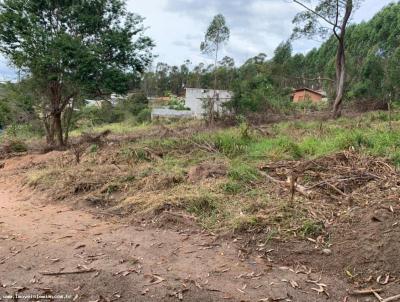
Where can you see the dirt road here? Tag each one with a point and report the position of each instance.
(53, 249)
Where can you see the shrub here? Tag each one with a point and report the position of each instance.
(291, 148)
(177, 103)
(90, 116)
(93, 148)
(22, 131)
(14, 146)
(144, 115)
(134, 104)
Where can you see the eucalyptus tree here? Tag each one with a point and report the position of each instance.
(323, 18)
(71, 49)
(216, 36)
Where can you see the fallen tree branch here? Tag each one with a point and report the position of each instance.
(336, 189)
(299, 188)
(390, 299)
(366, 291)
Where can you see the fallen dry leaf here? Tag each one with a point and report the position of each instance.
(155, 279)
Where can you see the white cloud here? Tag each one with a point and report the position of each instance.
(178, 26)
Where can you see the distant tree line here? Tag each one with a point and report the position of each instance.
(118, 59)
(372, 65)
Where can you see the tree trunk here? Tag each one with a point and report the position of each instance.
(49, 131)
(341, 60)
(58, 129)
(68, 120)
(390, 112)
(212, 117)
(340, 79)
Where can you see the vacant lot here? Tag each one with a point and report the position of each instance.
(342, 223)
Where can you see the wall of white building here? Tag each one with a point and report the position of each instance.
(195, 98)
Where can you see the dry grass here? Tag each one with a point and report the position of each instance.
(150, 174)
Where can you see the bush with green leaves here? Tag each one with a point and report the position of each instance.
(144, 116)
(5, 114)
(90, 116)
(133, 105)
(177, 103)
(21, 132)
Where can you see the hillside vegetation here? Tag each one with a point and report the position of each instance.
(264, 84)
(261, 84)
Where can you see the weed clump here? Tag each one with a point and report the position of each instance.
(245, 223)
(311, 228)
(202, 205)
(243, 173)
(232, 187)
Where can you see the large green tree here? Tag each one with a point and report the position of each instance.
(73, 49)
(216, 35)
(328, 16)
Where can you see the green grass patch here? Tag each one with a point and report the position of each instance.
(233, 187)
(205, 204)
(311, 228)
(307, 140)
(246, 222)
(230, 142)
(242, 172)
(125, 127)
(20, 133)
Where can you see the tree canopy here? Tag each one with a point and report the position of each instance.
(328, 17)
(217, 33)
(72, 49)
(372, 69)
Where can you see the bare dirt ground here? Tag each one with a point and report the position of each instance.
(49, 248)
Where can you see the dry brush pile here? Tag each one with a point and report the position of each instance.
(345, 175)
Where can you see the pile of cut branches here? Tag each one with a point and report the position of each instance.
(79, 146)
(345, 174)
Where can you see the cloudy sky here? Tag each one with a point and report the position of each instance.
(178, 26)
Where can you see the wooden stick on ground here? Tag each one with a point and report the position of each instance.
(394, 298)
(366, 291)
(302, 190)
(390, 299)
(68, 273)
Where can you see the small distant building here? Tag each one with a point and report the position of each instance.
(113, 100)
(195, 98)
(307, 94)
(93, 103)
(166, 113)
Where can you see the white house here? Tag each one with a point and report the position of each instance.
(195, 99)
(93, 103)
(160, 113)
(114, 99)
